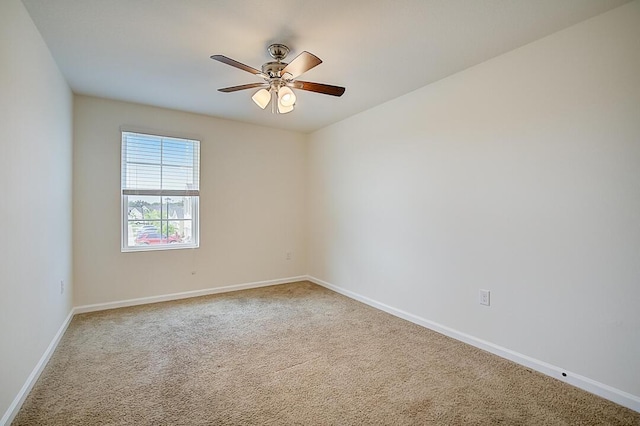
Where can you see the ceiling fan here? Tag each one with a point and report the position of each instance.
(279, 78)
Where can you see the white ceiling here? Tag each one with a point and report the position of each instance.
(157, 52)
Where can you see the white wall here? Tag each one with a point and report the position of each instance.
(520, 175)
(252, 210)
(35, 200)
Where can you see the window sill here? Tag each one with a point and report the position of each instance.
(163, 247)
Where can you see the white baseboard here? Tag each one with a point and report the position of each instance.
(183, 295)
(620, 397)
(13, 409)
(605, 391)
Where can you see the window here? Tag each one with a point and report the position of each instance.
(160, 192)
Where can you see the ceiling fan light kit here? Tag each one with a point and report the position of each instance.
(280, 78)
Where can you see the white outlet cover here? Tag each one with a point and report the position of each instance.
(485, 297)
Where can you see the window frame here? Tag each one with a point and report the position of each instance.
(194, 196)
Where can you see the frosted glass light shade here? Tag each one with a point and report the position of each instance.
(284, 109)
(286, 97)
(262, 98)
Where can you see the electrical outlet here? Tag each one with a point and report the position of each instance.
(485, 297)
(61, 286)
(289, 255)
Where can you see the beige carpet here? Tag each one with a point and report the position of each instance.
(285, 355)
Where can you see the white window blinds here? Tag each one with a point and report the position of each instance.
(159, 165)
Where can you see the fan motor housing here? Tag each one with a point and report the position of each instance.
(274, 68)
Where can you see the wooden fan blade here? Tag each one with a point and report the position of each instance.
(239, 65)
(318, 87)
(301, 64)
(242, 87)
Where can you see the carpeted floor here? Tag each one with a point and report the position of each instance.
(286, 355)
